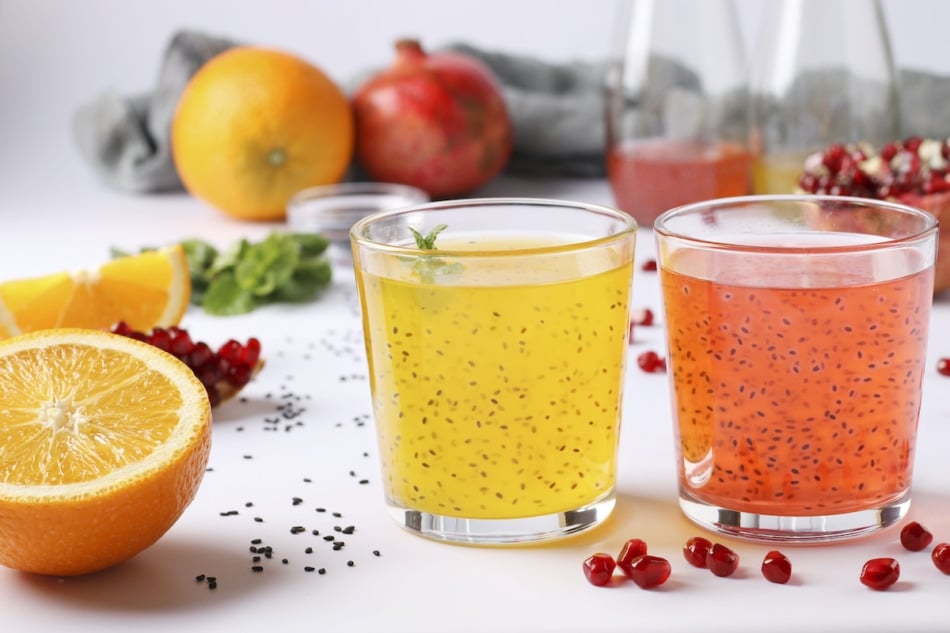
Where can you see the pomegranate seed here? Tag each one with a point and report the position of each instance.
(631, 550)
(915, 537)
(643, 317)
(161, 339)
(649, 571)
(209, 373)
(696, 550)
(238, 375)
(199, 355)
(880, 573)
(888, 152)
(230, 351)
(833, 156)
(599, 568)
(181, 343)
(721, 560)
(651, 362)
(252, 352)
(912, 143)
(776, 567)
(943, 366)
(122, 328)
(808, 183)
(941, 557)
(649, 266)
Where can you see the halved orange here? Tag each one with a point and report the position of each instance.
(145, 290)
(104, 441)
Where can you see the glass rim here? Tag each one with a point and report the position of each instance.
(343, 189)
(630, 226)
(710, 242)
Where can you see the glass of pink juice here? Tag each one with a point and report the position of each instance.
(497, 362)
(797, 333)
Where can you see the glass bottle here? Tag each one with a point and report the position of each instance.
(676, 106)
(822, 73)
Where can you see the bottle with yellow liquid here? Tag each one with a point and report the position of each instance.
(822, 73)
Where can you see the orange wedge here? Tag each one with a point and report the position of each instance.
(104, 441)
(145, 290)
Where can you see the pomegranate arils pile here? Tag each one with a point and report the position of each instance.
(643, 569)
(223, 372)
(911, 166)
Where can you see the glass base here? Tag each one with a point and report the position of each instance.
(504, 531)
(793, 529)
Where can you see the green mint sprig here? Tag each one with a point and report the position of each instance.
(429, 267)
(284, 267)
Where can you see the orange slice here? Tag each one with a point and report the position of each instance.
(145, 290)
(104, 441)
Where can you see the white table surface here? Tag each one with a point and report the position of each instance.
(316, 365)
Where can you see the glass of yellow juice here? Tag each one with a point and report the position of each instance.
(797, 334)
(496, 334)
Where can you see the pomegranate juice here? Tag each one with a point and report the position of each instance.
(791, 400)
(649, 177)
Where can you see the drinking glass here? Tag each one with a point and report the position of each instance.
(676, 106)
(496, 363)
(331, 210)
(797, 334)
(822, 73)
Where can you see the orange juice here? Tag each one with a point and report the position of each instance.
(795, 401)
(497, 386)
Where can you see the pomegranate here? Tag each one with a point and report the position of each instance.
(914, 171)
(434, 121)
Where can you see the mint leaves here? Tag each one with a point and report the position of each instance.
(427, 242)
(428, 267)
(283, 267)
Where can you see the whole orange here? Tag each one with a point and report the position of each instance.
(254, 126)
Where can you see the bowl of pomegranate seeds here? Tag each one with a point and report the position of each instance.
(913, 171)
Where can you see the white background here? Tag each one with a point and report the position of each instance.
(57, 54)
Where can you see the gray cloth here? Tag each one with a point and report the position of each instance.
(556, 113)
(127, 138)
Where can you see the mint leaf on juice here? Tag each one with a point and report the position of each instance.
(429, 267)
